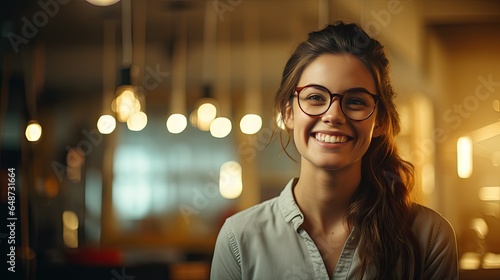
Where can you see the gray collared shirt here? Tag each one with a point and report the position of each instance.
(267, 242)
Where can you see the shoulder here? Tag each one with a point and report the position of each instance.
(255, 216)
(431, 222)
(438, 243)
(268, 214)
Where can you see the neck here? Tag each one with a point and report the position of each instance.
(324, 195)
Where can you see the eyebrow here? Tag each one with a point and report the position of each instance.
(354, 89)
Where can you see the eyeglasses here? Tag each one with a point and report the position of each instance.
(357, 104)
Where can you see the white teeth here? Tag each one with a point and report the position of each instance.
(330, 138)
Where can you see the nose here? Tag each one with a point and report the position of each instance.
(334, 114)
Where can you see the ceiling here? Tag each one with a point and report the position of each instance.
(68, 39)
(64, 58)
(67, 48)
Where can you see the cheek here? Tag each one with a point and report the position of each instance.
(301, 127)
(365, 132)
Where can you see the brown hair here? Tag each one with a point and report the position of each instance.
(380, 209)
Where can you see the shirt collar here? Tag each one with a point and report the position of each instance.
(288, 206)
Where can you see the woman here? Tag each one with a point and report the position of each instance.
(348, 215)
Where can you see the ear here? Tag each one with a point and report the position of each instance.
(288, 118)
(377, 130)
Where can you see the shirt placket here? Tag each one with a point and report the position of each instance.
(318, 265)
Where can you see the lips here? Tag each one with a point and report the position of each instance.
(330, 138)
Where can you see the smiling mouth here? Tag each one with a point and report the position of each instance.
(331, 138)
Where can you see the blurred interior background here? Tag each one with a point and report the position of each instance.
(107, 117)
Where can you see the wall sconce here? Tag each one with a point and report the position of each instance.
(464, 157)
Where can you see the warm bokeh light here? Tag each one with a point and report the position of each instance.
(205, 115)
(250, 123)
(137, 121)
(230, 181)
(464, 157)
(106, 124)
(70, 220)
(490, 193)
(51, 186)
(220, 127)
(103, 2)
(491, 261)
(70, 238)
(470, 261)
(70, 229)
(126, 103)
(33, 131)
(176, 123)
(480, 226)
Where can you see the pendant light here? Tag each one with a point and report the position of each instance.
(251, 122)
(106, 123)
(221, 125)
(33, 85)
(177, 121)
(130, 101)
(206, 111)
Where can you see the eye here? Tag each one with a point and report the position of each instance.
(316, 97)
(358, 100)
(355, 101)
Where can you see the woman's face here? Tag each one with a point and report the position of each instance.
(331, 140)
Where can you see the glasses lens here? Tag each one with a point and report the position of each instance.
(314, 100)
(358, 105)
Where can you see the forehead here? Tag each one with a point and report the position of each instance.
(338, 72)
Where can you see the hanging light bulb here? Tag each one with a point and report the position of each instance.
(220, 127)
(106, 124)
(206, 113)
(137, 121)
(33, 131)
(126, 103)
(250, 123)
(176, 123)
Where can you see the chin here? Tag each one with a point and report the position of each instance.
(337, 165)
